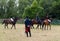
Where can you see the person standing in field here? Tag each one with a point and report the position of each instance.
(27, 26)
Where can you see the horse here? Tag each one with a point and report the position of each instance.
(9, 21)
(34, 21)
(46, 23)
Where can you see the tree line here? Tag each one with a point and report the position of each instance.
(31, 8)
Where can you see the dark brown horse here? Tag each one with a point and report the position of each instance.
(8, 21)
(46, 23)
(34, 21)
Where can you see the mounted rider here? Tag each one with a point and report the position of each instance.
(48, 18)
(37, 18)
(12, 19)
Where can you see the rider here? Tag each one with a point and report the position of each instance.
(27, 26)
(47, 17)
(12, 19)
(37, 19)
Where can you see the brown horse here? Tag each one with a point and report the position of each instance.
(8, 21)
(46, 23)
(34, 21)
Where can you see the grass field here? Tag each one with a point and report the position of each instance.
(37, 34)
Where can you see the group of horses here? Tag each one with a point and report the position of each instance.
(42, 23)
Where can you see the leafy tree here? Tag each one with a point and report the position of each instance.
(22, 5)
(10, 8)
(32, 10)
(2, 8)
(56, 9)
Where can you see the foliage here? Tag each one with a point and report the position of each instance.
(31, 8)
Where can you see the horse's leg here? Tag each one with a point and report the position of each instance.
(43, 26)
(37, 26)
(7, 25)
(32, 26)
(50, 26)
(14, 27)
(47, 27)
(40, 26)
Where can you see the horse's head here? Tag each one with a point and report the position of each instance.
(34, 21)
(15, 19)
